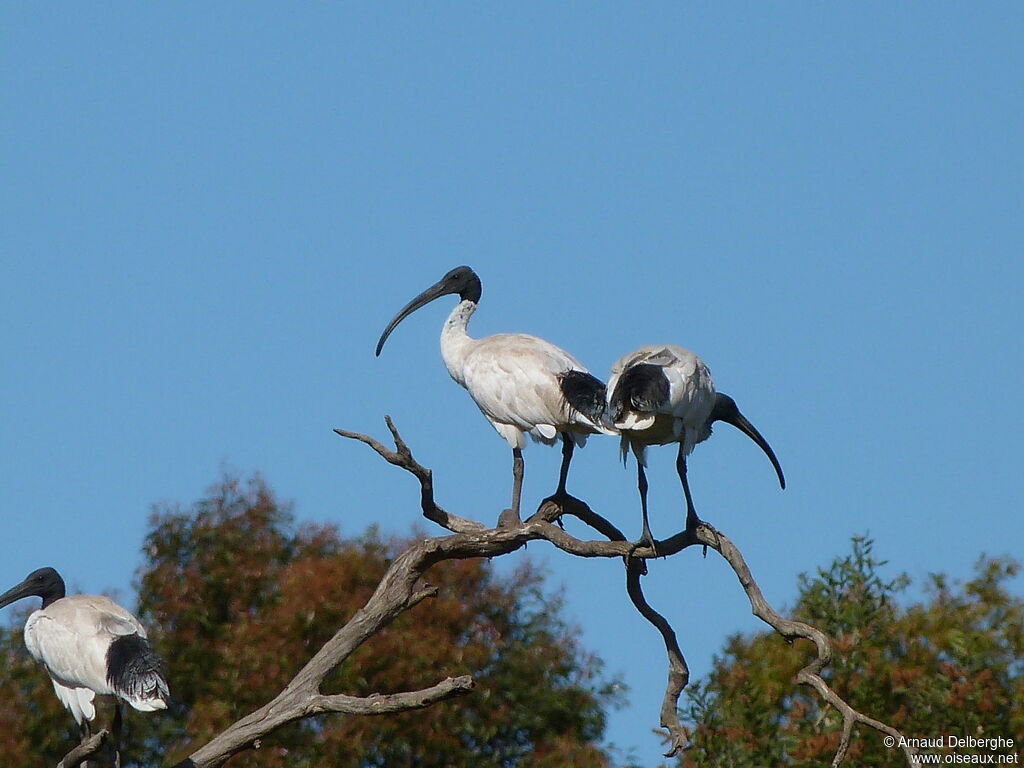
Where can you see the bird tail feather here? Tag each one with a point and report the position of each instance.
(585, 394)
(136, 673)
(640, 391)
(78, 701)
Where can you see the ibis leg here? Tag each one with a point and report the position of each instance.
(115, 733)
(692, 521)
(567, 446)
(646, 538)
(560, 495)
(517, 480)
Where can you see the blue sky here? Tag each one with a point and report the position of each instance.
(210, 212)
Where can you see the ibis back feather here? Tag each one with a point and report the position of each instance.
(516, 381)
(658, 395)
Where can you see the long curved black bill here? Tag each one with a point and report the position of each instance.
(726, 410)
(15, 593)
(435, 291)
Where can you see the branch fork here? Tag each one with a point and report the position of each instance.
(403, 587)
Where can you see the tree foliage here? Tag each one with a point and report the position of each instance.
(237, 598)
(951, 665)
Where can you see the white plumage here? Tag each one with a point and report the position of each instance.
(71, 638)
(523, 385)
(664, 394)
(89, 645)
(681, 416)
(514, 379)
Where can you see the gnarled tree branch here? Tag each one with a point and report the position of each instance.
(86, 749)
(810, 675)
(402, 457)
(678, 672)
(402, 587)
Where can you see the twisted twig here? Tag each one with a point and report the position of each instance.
(402, 457)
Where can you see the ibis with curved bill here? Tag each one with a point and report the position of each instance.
(664, 394)
(523, 385)
(90, 645)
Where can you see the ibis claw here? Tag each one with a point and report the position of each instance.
(646, 540)
(692, 522)
(559, 499)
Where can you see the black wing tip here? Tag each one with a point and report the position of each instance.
(134, 670)
(643, 387)
(585, 393)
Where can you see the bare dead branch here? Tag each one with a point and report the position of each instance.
(810, 675)
(380, 704)
(427, 590)
(402, 457)
(86, 749)
(582, 511)
(678, 672)
(402, 586)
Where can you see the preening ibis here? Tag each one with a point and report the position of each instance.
(523, 385)
(89, 644)
(664, 394)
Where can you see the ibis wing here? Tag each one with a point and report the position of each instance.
(651, 354)
(100, 615)
(120, 625)
(663, 355)
(513, 379)
(72, 659)
(691, 390)
(690, 385)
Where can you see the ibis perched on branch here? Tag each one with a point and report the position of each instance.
(664, 394)
(89, 644)
(523, 385)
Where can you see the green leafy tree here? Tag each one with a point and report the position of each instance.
(237, 597)
(953, 664)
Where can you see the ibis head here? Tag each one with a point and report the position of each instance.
(43, 582)
(461, 281)
(725, 409)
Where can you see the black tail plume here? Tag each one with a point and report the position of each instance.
(584, 393)
(134, 670)
(642, 388)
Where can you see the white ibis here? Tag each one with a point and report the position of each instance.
(89, 644)
(523, 385)
(664, 394)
